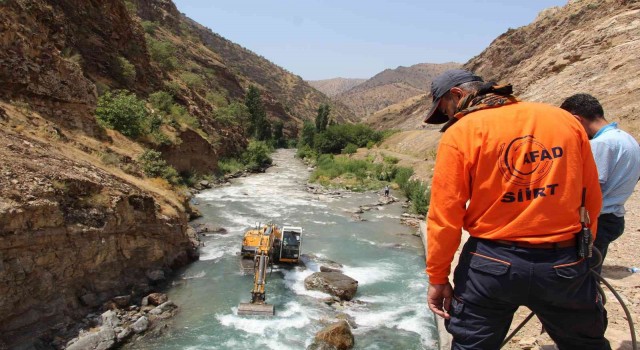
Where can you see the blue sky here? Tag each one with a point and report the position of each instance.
(321, 39)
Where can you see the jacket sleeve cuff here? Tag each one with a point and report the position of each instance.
(438, 280)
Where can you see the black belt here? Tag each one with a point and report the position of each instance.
(562, 244)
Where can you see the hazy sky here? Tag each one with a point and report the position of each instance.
(321, 39)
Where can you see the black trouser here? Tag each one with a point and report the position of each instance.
(493, 279)
(610, 227)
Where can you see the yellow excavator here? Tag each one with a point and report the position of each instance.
(267, 245)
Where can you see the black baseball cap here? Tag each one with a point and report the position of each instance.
(440, 85)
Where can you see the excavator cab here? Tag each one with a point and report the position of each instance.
(290, 244)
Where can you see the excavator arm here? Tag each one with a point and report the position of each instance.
(270, 245)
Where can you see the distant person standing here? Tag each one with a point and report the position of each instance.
(386, 191)
(617, 156)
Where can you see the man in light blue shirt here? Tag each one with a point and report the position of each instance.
(617, 155)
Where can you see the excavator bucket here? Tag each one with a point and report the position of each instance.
(256, 309)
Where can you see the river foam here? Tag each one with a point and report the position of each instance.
(388, 308)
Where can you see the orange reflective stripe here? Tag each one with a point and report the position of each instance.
(569, 264)
(490, 258)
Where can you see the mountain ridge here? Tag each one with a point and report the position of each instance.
(580, 47)
(391, 86)
(334, 86)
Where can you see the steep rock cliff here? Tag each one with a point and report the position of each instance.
(73, 234)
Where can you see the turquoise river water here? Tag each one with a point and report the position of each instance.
(380, 253)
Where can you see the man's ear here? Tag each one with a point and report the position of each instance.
(457, 92)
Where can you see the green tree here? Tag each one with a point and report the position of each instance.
(263, 129)
(235, 113)
(259, 126)
(257, 155)
(278, 134)
(336, 137)
(162, 101)
(350, 149)
(154, 165)
(122, 111)
(162, 52)
(308, 132)
(322, 119)
(127, 70)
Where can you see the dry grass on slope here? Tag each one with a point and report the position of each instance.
(414, 149)
(79, 148)
(405, 115)
(369, 101)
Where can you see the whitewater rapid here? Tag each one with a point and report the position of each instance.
(389, 307)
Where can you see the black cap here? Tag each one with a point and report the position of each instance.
(440, 85)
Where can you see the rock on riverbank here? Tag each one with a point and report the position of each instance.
(123, 323)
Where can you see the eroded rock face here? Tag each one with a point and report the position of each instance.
(334, 283)
(202, 159)
(73, 236)
(52, 50)
(337, 335)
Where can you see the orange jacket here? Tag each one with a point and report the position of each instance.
(522, 168)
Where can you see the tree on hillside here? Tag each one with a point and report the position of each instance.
(278, 134)
(123, 111)
(259, 126)
(322, 119)
(236, 113)
(308, 132)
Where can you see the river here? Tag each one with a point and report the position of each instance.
(380, 253)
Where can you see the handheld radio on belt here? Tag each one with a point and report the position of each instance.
(585, 239)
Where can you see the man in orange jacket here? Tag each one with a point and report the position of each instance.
(512, 174)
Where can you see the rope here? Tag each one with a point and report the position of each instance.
(634, 342)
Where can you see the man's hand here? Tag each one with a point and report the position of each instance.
(439, 299)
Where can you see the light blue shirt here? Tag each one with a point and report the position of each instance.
(617, 156)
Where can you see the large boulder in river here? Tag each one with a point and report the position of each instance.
(335, 336)
(324, 264)
(334, 283)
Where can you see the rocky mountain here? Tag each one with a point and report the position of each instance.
(335, 86)
(391, 86)
(88, 212)
(584, 46)
(419, 75)
(288, 94)
(404, 115)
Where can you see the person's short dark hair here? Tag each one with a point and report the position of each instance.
(583, 105)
